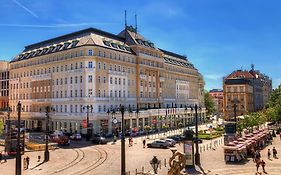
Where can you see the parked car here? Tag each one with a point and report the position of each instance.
(99, 139)
(197, 140)
(171, 142)
(76, 137)
(158, 144)
(60, 138)
(176, 138)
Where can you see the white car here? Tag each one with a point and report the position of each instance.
(171, 142)
(76, 136)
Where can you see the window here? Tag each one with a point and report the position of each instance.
(81, 79)
(70, 93)
(110, 93)
(128, 82)
(65, 81)
(104, 79)
(90, 52)
(104, 93)
(76, 94)
(99, 66)
(81, 93)
(90, 78)
(81, 65)
(99, 108)
(119, 94)
(70, 80)
(124, 81)
(65, 108)
(115, 80)
(98, 93)
(98, 79)
(110, 80)
(90, 91)
(124, 94)
(119, 82)
(115, 93)
(76, 79)
(141, 94)
(90, 64)
(104, 66)
(110, 67)
(104, 108)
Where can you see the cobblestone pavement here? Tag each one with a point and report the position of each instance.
(88, 159)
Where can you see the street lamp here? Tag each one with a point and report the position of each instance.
(18, 155)
(46, 153)
(197, 155)
(235, 101)
(89, 131)
(123, 162)
(155, 164)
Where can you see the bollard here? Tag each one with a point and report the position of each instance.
(160, 165)
(142, 169)
(165, 163)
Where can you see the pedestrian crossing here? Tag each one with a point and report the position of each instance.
(245, 171)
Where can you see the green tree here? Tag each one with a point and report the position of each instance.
(209, 103)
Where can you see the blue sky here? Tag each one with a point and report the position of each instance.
(218, 36)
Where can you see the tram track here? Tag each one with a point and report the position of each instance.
(73, 162)
(101, 159)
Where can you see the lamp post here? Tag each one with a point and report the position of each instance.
(18, 155)
(197, 155)
(88, 107)
(123, 162)
(155, 164)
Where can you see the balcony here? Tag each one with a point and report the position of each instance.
(41, 77)
(117, 73)
(142, 76)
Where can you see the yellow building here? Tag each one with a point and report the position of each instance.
(94, 67)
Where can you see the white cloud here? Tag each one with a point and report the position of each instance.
(214, 76)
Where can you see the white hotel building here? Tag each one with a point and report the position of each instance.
(94, 67)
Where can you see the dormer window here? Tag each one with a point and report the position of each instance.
(128, 49)
(58, 47)
(74, 43)
(121, 47)
(106, 43)
(65, 45)
(114, 45)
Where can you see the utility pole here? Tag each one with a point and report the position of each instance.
(88, 126)
(197, 155)
(18, 156)
(235, 120)
(123, 162)
(46, 153)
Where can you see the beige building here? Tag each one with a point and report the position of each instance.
(4, 85)
(94, 67)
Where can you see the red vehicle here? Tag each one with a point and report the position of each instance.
(60, 138)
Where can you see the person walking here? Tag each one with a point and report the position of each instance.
(24, 163)
(263, 165)
(143, 143)
(0, 157)
(5, 157)
(130, 141)
(268, 154)
(257, 165)
(39, 157)
(27, 162)
(274, 153)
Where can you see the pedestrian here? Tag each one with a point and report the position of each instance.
(263, 165)
(27, 162)
(130, 141)
(280, 136)
(268, 154)
(24, 163)
(143, 143)
(5, 157)
(257, 165)
(39, 157)
(0, 157)
(114, 138)
(274, 153)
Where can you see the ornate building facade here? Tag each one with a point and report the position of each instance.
(217, 95)
(104, 70)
